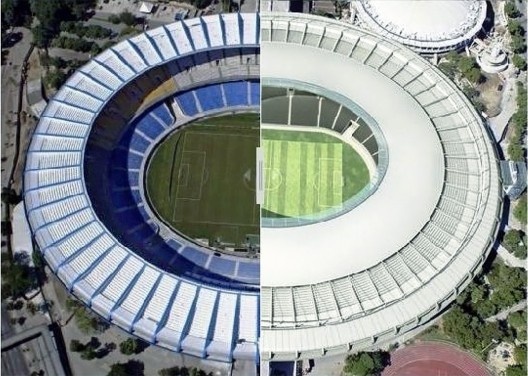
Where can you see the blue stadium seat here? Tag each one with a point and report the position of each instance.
(150, 126)
(248, 270)
(174, 244)
(222, 266)
(133, 178)
(139, 143)
(162, 112)
(194, 255)
(236, 93)
(210, 97)
(187, 103)
(134, 161)
(255, 93)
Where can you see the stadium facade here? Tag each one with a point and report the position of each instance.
(393, 261)
(84, 186)
(427, 27)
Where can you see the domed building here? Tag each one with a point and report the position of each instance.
(427, 27)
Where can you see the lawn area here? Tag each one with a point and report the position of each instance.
(201, 180)
(308, 172)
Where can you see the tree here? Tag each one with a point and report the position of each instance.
(127, 18)
(15, 13)
(516, 371)
(365, 363)
(55, 79)
(76, 346)
(520, 210)
(518, 44)
(519, 62)
(10, 197)
(129, 346)
(513, 242)
(130, 368)
(517, 320)
(519, 353)
(515, 151)
(88, 353)
(515, 27)
(511, 10)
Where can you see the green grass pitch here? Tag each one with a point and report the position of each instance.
(201, 180)
(308, 172)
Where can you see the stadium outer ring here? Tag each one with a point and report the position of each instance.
(305, 315)
(53, 148)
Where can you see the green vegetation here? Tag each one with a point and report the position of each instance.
(15, 13)
(520, 368)
(18, 277)
(88, 31)
(517, 322)
(511, 9)
(130, 368)
(519, 62)
(467, 67)
(51, 13)
(366, 363)
(515, 242)
(55, 79)
(309, 172)
(197, 173)
(76, 44)
(470, 331)
(125, 17)
(183, 371)
(518, 120)
(486, 296)
(520, 209)
(130, 346)
(86, 321)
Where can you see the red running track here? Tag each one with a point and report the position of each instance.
(434, 359)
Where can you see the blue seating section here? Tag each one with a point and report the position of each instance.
(236, 93)
(210, 97)
(255, 93)
(162, 112)
(150, 126)
(222, 266)
(197, 257)
(123, 205)
(187, 103)
(249, 270)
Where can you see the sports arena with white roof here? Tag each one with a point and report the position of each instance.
(84, 195)
(395, 259)
(426, 26)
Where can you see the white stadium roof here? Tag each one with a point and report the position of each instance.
(425, 25)
(404, 253)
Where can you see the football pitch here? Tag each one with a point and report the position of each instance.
(308, 172)
(201, 180)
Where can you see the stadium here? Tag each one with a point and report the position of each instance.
(378, 264)
(427, 27)
(85, 177)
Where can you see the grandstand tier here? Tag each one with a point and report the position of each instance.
(85, 199)
(402, 255)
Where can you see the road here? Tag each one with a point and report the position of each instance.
(10, 80)
(13, 361)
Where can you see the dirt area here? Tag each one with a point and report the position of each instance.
(490, 95)
(501, 357)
